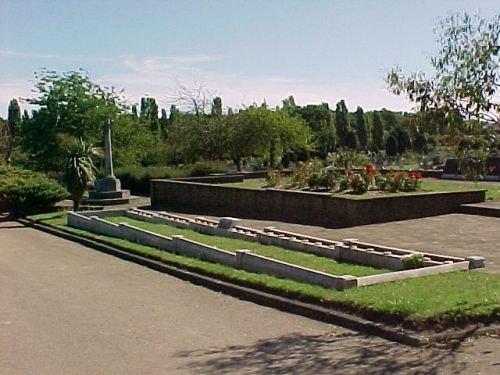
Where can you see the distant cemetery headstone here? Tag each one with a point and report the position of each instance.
(493, 168)
(452, 169)
(452, 166)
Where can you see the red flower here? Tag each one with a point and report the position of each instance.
(350, 173)
(371, 169)
(417, 175)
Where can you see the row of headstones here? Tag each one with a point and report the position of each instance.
(347, 250)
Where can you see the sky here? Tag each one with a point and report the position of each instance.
(244, 51)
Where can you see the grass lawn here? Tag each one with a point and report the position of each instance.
(428, 185)
(298, 258)
(492, 189)
(445, 298)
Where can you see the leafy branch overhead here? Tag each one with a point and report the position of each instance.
(465, 80)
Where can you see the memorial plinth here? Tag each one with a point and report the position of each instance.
(108, 190)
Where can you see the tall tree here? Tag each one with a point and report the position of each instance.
(391, 146)
(351, 140)
(342, 122)
(361, 129)
(377, 133)
(217, 106)
(319, 118)
(70, 106)
(163, 123)
(10, 130)
(174, 115)
(149, 115)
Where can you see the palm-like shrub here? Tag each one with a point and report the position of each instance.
(80, 170)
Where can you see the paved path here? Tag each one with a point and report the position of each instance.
(67, 309)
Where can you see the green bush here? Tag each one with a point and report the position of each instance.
(24, 189)
(136, 178)
(204, 168)
(400, 181)
(273, 178)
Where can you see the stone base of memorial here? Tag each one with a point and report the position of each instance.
(108, 193)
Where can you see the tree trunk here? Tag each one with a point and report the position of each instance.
(272, 154)
(237, 161)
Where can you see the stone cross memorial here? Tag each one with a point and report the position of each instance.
(108, 189)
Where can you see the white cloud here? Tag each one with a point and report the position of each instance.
(161, 77)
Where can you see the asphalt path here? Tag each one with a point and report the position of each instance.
(67, 309)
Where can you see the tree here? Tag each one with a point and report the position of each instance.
(80, 170)
(319, 118)
(351, 140)
(163, 123)
(10, 130)
(258, 131)
(342, 122)
(174, 114)
(149, 115)
(217, 106)
(391, 146)
(402, 137)
(377, 132)
(421, 142)
(465, 79)
(70, 106)
(361, 128)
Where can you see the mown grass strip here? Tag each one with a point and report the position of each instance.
(451, 297)
(311, 261)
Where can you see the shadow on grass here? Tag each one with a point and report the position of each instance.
(348, 353)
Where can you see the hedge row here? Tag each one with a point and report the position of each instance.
(136, 178)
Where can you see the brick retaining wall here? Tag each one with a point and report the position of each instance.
(304, 207)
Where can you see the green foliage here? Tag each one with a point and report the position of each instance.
(421, 142)
(319, 118)
(134, 144)
(465, 80)
(362, 129)
(356, 183)
(313, 175)
(80, 169)
(392, 145)
(377, 132)
(342, 122)
(412, 261)
(205, 167)
(70, 106)
(351, 140)
(149, 116)
(136, 178)
(258, 131)
(347, 159)
(9, 131)
(273, 178)
(400, 181)
(359, 182)
(402, 137)
(27, 190)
